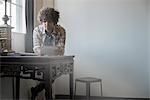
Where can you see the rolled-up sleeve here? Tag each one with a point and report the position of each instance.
(62, 40)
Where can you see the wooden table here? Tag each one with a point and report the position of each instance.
(42, 68)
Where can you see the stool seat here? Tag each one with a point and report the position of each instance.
(88, 79)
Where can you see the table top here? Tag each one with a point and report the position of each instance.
(33, 59)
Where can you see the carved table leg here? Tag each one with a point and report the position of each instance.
(17, 88)
(71, 85)
(48, 83)
(13, 87)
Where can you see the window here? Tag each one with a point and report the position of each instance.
(16, 14)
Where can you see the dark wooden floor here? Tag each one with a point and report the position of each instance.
(65, 97)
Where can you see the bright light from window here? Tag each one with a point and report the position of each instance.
(2, 12)
(16, 14)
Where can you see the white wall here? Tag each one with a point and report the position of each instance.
(149, 43)
(109, 40)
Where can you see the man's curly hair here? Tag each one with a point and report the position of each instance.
(48, 14)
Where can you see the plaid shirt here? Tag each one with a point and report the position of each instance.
(39, 36)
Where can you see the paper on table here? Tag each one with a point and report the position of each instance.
(49, 50)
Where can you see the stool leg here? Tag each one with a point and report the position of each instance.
(101, 88)
(88, 90)
(75, 90)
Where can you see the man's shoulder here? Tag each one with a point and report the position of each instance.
(60, 29)
(39, 28)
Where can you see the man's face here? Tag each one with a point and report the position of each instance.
(49, 26)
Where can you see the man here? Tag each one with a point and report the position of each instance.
(48, 33)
